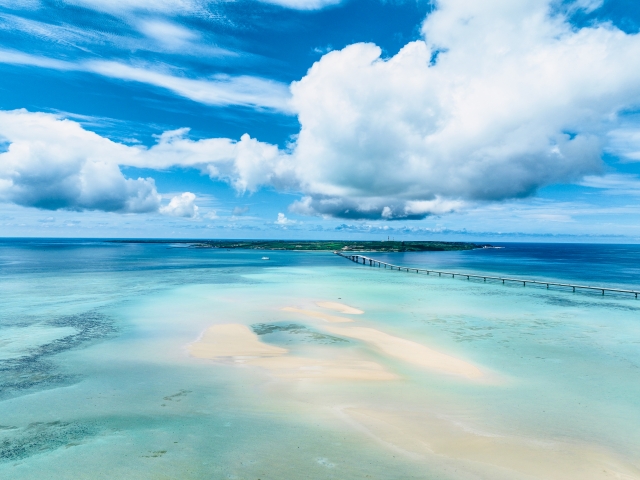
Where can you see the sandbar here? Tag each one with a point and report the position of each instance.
(408, 351)
(232, 340)
(323, 316)
(480, 454)
(323, 368)
(244, 346)
(340, 307)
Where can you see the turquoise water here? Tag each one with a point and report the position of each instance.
(96, 379)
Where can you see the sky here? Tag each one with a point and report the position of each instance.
(492, 120)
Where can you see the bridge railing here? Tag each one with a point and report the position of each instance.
(373, 263)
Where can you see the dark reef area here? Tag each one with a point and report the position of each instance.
(36, 370)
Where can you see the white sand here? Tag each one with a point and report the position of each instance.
(340, 307)
(479, 454)
(320, 315)
(408, 351)
(239, 342)
(231, 340)
(323, 368)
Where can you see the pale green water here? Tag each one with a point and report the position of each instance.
(97, 381)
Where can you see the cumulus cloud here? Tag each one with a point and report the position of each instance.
(52, 163)
(373, 207)
(246, 164)
(181, 206)
(498, 99)
(283, 221)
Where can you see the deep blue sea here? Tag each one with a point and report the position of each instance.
(586, 264)
(159, 360)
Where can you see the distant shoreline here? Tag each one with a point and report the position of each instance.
(331, 245)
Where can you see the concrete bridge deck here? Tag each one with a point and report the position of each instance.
(372, 262)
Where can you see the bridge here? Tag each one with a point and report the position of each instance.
(372, 262)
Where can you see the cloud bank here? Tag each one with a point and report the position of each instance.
(499, 99)
(496, 100)
(52, 162)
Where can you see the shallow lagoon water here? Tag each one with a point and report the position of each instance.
(97, 380)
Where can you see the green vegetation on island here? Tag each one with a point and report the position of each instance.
(338, 245)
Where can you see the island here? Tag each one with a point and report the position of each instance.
(340, 245)
(318, 245)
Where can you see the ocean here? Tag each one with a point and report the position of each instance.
(162, 361)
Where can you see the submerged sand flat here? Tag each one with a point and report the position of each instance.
(340, 307)
(404, 428)
(410, 352)
(231, 340)
(426, 437)
(324, 368)
(238, 341)
(322, 316)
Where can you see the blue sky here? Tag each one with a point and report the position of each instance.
(457, 119)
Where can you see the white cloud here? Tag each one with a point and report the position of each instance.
(587, 6)
(303, 4)
(186, 6)
(373, 207)
(615, 184)
(181, 206)
(625, 142)
(243, 90)
(52, 163)
(158, 6)
(13, 57)
(20, 4)
(247, 164)
(159, 36)
(498, 99)
(170, 34)
(283, 220)
(218, 90)
(517, 99)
